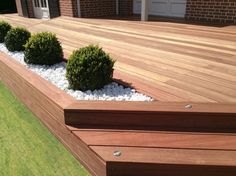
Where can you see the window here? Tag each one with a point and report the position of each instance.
(43, 3)
(36, 3)
(40, 3)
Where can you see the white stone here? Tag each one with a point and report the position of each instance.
(56, 74)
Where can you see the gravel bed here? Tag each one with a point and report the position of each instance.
(56, 75)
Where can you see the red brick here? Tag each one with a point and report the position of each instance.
(217, 11)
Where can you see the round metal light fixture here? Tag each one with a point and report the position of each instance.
(117, 153)
(188, 106)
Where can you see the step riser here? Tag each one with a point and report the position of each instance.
(202, 122)
(125, 169)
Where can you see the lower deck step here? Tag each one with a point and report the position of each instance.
(162, 153)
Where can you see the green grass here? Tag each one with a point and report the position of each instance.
(27, 147)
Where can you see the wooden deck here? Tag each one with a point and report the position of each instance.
(175, 63)
(172, 62)
(191, 142)
(146, 152)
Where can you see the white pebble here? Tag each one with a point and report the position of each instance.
(56, 74)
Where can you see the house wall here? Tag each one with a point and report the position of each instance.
(215, 11)
(68, 8)
(126, 7)
(25, 8)
(97, 8)
(30, 8)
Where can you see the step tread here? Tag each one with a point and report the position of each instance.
(168, 156)
(158, 139)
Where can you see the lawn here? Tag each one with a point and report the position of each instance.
(26, 145)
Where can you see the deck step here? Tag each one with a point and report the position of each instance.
(155, 153)
(201, 117)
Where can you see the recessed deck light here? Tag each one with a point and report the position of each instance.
(188, 106)
(117, 153)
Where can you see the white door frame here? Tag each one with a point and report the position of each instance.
(145, 10)
(39, 11)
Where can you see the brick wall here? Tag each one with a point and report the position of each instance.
(68, 8)
(97, 8)
(30, 8)
(215, 11)
(126, 7)
(25, 8)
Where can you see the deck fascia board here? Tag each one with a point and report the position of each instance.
(47, 102)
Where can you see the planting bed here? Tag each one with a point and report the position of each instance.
(56, 74)
(93, 130)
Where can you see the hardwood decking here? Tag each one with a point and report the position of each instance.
(172, 62)
(172, 151)
(160, 138)
(152, 116)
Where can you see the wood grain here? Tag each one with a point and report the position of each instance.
(168, 156)
(172, 62)
(152, 116)
(161, 161)
(180, 152)
(158, 139)
(175, 63)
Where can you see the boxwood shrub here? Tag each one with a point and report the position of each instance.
(4, 28)
(89, 68)
(16, 38)
(43, 49)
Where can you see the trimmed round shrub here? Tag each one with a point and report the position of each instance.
(43, 49)
(4, 28)
(16, 38)
(89, 68)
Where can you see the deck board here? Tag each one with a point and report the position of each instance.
(187, 62)
(168, 156)
(173, 62)
(158, 139)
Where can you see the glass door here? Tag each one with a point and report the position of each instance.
(41, 9)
